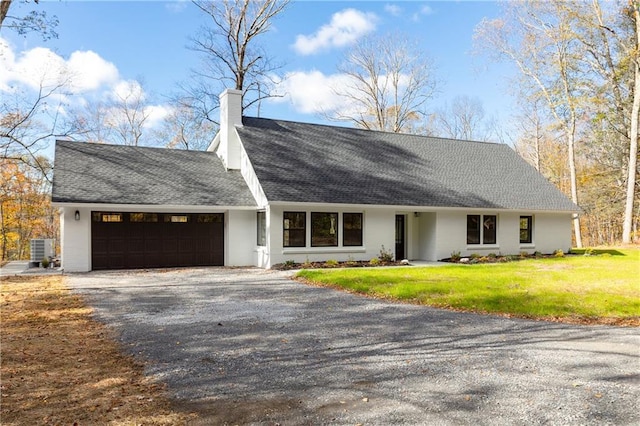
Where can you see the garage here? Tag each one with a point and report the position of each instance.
(133, 240)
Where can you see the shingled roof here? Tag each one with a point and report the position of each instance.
(297, 162)
(115, 174)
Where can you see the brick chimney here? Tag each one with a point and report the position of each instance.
(230, 117)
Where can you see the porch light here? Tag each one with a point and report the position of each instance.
(77, 215)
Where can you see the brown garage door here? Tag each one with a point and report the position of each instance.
(156, 240)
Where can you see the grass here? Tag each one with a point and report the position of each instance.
(601, 288)
(61, 367)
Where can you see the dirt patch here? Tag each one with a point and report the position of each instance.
(61, 367)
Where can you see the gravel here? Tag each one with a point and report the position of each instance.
(249, 346)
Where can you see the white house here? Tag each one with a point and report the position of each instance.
(268, 191)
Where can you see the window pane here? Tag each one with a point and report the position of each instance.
(143, 217)
(526, 230)
(352, 229)
(261, 219)
(294, 224)
(175, 218)
(489, 230)
(211, 218)
(112, 217)
(473, 229)
(324, 229)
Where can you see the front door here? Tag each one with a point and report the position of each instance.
(400, 237)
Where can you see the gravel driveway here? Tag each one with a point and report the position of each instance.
(248, 346)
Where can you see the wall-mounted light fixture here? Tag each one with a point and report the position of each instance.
(416, 214)
(77, 215)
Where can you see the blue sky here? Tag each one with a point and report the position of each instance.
(118, 42)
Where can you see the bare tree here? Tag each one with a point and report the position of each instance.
(232, 56)
(183, 128)
(28, 122)
(120, 119)
(536, 38)
(389, 81)
(464, 118)
(34, 21)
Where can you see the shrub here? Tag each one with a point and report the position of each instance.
(374, 261)
(558, 253)
(589, 252)
(474, 256)
(385, 256)
(537, 254)
(492, 255)
(332, 263)
(289, 264)
(45, 262)
(455, 256)
(524, 254)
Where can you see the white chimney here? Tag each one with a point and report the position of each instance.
(230, 117)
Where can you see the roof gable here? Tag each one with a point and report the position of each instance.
(116, 174)
(297, 162)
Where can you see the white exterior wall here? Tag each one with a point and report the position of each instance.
(551, 231)
(426, 237)
(378, 230)
(75, 239)
(240, 238)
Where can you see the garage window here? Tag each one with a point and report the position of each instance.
(106, 217)
(176, 218)
(143, 217)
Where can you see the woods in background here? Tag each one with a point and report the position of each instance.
(578, 70)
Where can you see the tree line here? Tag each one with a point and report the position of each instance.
(578, 69)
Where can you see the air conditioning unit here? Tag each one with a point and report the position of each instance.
(41, 248)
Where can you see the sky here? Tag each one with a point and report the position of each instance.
(112, 46)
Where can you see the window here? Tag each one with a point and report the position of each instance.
(106, 217)
(489, 230)
(352, 229)
(526, 229)
(324, 229)
(473, 229)
(143, 217)
(176, 218)
(261, 219)
(481, 228)
(294, 225)
(210, 218)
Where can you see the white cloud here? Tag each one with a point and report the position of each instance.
(425, 10)
(393, 9)
(84, 70)
(89, 71)
(345, 28)
(156, 115)
(176, 6)
(128, 90)
(312, 92)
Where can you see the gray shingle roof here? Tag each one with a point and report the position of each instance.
(298, 162)
(97, 173)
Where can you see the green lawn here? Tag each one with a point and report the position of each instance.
(604, 287)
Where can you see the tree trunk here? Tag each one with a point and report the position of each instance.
(4, 9)
(633, 143)
(574, 181)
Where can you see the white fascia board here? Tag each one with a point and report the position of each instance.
(214, 143)
(410, 208)
(249, 174)
(166, 208)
